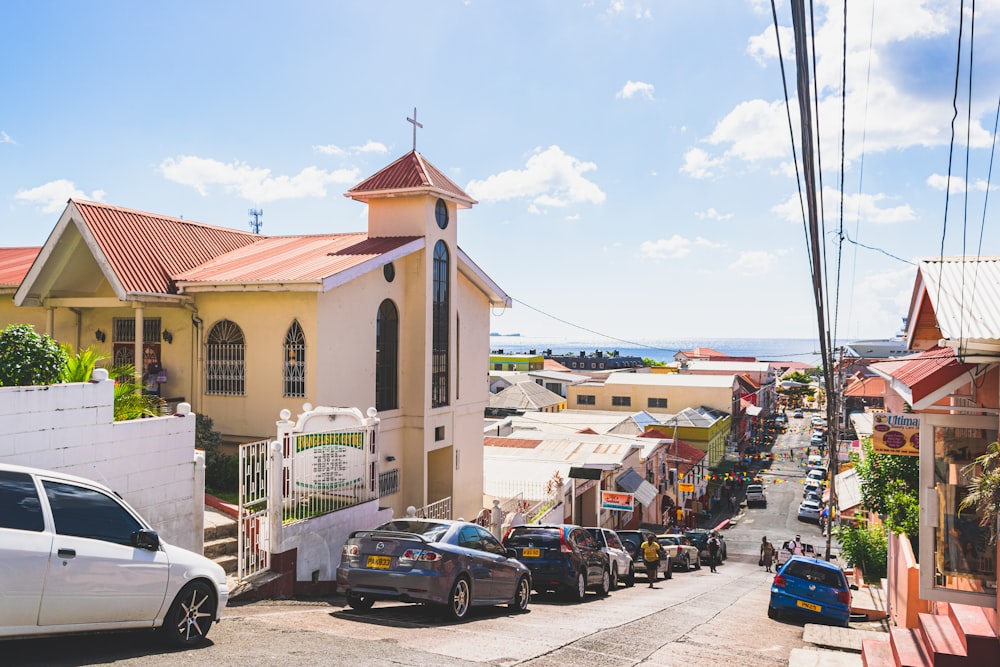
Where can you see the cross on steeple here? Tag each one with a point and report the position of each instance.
(415, 126)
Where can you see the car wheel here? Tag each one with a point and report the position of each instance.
(459, 599)
(614, 577)
(191, 615)
(580, 591)
(605, 586)
(630, 579)
(360, 602)
(522, 595)
(687, 563)
(668, 571)
(697, 562)
(773, 613)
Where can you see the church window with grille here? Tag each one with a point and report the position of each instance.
(225, 360)
(295, 362)
(441, 319)
(387, 357)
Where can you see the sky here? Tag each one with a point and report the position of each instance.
(632, 160)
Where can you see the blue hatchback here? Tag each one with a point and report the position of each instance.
(811, 588)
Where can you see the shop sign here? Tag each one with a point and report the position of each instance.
(619, 502)
(896, 433)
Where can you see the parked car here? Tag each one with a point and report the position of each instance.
(622, 568)
(815, 461)
(756, 495)
(682, 552)
(812, 588)
(817, 420)
(818, 474)
(785, 552)
(809, 510)
(699, 536)
(561, 557)
(798, 413)
(454, 564)
(631, 539)
(812, 486)
(78, 558)
(810, 495)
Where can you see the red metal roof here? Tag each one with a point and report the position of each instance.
(14, 265)
(412, 172)
(293, 258)
(679, 448)
(927, 371)
(870, 387)
(146, 251)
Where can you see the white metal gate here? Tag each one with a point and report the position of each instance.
(254, 527)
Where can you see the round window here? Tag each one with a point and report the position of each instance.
(441, 213)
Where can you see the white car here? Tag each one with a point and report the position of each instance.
(813, 486)
(818, 474)
(622, 568)
(809, 510)
(755, 495)
(74, 557)
(682, 551)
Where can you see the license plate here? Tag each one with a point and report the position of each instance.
(808, 605)
(379, 562)
(531, 553)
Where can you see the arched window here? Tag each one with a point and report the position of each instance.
(295, 361)
(387, 357)
(440, 316)
(225, 360)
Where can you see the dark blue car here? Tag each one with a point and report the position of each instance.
(561, 557)
(812, 589)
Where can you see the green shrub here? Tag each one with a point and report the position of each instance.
(221, 471)
(866, 547)
(28, 358)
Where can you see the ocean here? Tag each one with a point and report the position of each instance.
(805, 350)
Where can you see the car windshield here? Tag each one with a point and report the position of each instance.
(431, 530)
(533, 536)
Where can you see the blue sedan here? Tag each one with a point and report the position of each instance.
(811, 588)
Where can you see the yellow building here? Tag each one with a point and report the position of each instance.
(242, 325)
(656, 392)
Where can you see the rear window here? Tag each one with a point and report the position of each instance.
(433, 531)
(816, 574)
(545, 537)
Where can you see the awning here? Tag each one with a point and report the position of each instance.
(753, 410)
(632, 482)
(925, 378)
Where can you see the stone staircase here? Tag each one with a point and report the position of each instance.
(955, 636)
(221, 540)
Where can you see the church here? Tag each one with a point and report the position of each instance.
(242, 325)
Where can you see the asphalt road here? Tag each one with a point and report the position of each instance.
(696, 618)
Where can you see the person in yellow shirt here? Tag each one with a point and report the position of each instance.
(651, 557)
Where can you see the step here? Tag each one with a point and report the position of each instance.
(976, 633)
(908, 648)
(229, 563)
(218, 525)
(226, 546)
(876, 653)
(942, 641)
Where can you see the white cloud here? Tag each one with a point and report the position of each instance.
(712, 214)
(253, 184)
(633, 88)
(699, 164)
(550, 178)
(673, 248)
(369, 147)
(5, 138)
(698, 240)
(757, 262)
(864, 207)
(958, 186)
(51, 197)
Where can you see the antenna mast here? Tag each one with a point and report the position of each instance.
(255, 219)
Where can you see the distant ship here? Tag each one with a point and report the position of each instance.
(494, 333)
(883, 348)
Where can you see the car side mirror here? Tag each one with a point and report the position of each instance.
(146, 539)
(511, 552)
(853, 587)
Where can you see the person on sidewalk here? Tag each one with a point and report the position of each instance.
(766, 554)
(714, 547)
(651, 557)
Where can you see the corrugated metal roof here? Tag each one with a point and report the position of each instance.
(525, 395)
(14, 265)
(145, 250)
(925, 372)
(965, 295)
(410, 173)
(293, 259)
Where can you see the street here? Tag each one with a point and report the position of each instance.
(697, 617)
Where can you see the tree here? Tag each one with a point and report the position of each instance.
(652, 362)
(889, 484)
(983, 489)
(29, 358)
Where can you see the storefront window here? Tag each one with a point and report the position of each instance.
(956, 561)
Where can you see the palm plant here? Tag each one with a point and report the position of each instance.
(983, 489)
(129, 402)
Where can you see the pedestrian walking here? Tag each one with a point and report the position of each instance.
(714, 548)
(732, 501)
(766, 554)
(651, 557)
(797, 546)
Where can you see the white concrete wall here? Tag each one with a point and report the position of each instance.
(151, 462)
(319, 540)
